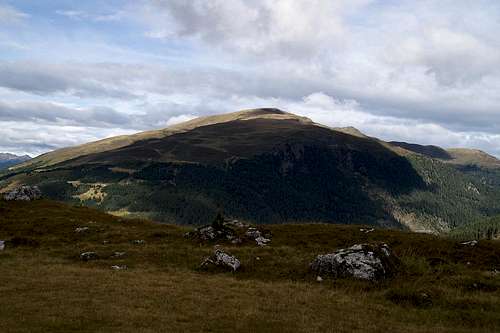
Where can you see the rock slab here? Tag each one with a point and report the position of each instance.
(223, 260)
(360, 261)
(87, 256)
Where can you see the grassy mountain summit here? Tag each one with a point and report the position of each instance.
(61, 155)
(265, 166)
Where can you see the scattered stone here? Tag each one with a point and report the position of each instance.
(361, 261)
(223, 260)
(209, 233)
(138, 242)
(367, 231)
(236, 224)
(81, 229)
(319, 279)
(118, 254)
(470, 243)
(105, 242)
(2, 245)
(262, 241)
(119, 267)
(87, 256)
(232, 231)
(253, 233)
(23, 193)
(257, 258)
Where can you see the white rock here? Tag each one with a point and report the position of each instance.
(87, 256)
(119, 268)
(470, 243)
(262, 241)
(361, 261)
(253, 233)
(119, 254)
(319, 279)
(2, 245)
(222, 259)
(81, 229)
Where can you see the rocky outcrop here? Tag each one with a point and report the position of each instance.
(118, 254)
(360, 261)
(209, 233)
(232, 231)
(221, 259)
(256, 235)
(23, 193)
(81, 229)
(470, 243)
(119, 267)
(87, 256)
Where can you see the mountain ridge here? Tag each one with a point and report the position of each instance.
(267, 166)
(8, 160)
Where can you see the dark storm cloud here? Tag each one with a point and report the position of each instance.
(96, 80)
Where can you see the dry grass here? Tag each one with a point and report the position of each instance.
(442, 287)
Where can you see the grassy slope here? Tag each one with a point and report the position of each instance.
(462, 156)
(46, 288)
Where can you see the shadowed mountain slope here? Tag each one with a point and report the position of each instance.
(61, 155)
(430, 151)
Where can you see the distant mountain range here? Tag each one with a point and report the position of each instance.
(8, 160)
(270, 166)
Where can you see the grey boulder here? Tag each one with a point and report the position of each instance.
(360, 261)
(223, 260)
(87, 256)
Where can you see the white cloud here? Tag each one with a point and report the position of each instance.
(9, 14)
(179, 119)
(262, 27)
(422, 71)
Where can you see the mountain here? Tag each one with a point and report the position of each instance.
(266, 166)
(458, 156)
(8, 160)
(429, 151)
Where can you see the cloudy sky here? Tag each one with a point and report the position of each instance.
(419, 71)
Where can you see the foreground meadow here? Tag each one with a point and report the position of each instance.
(442, 285)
